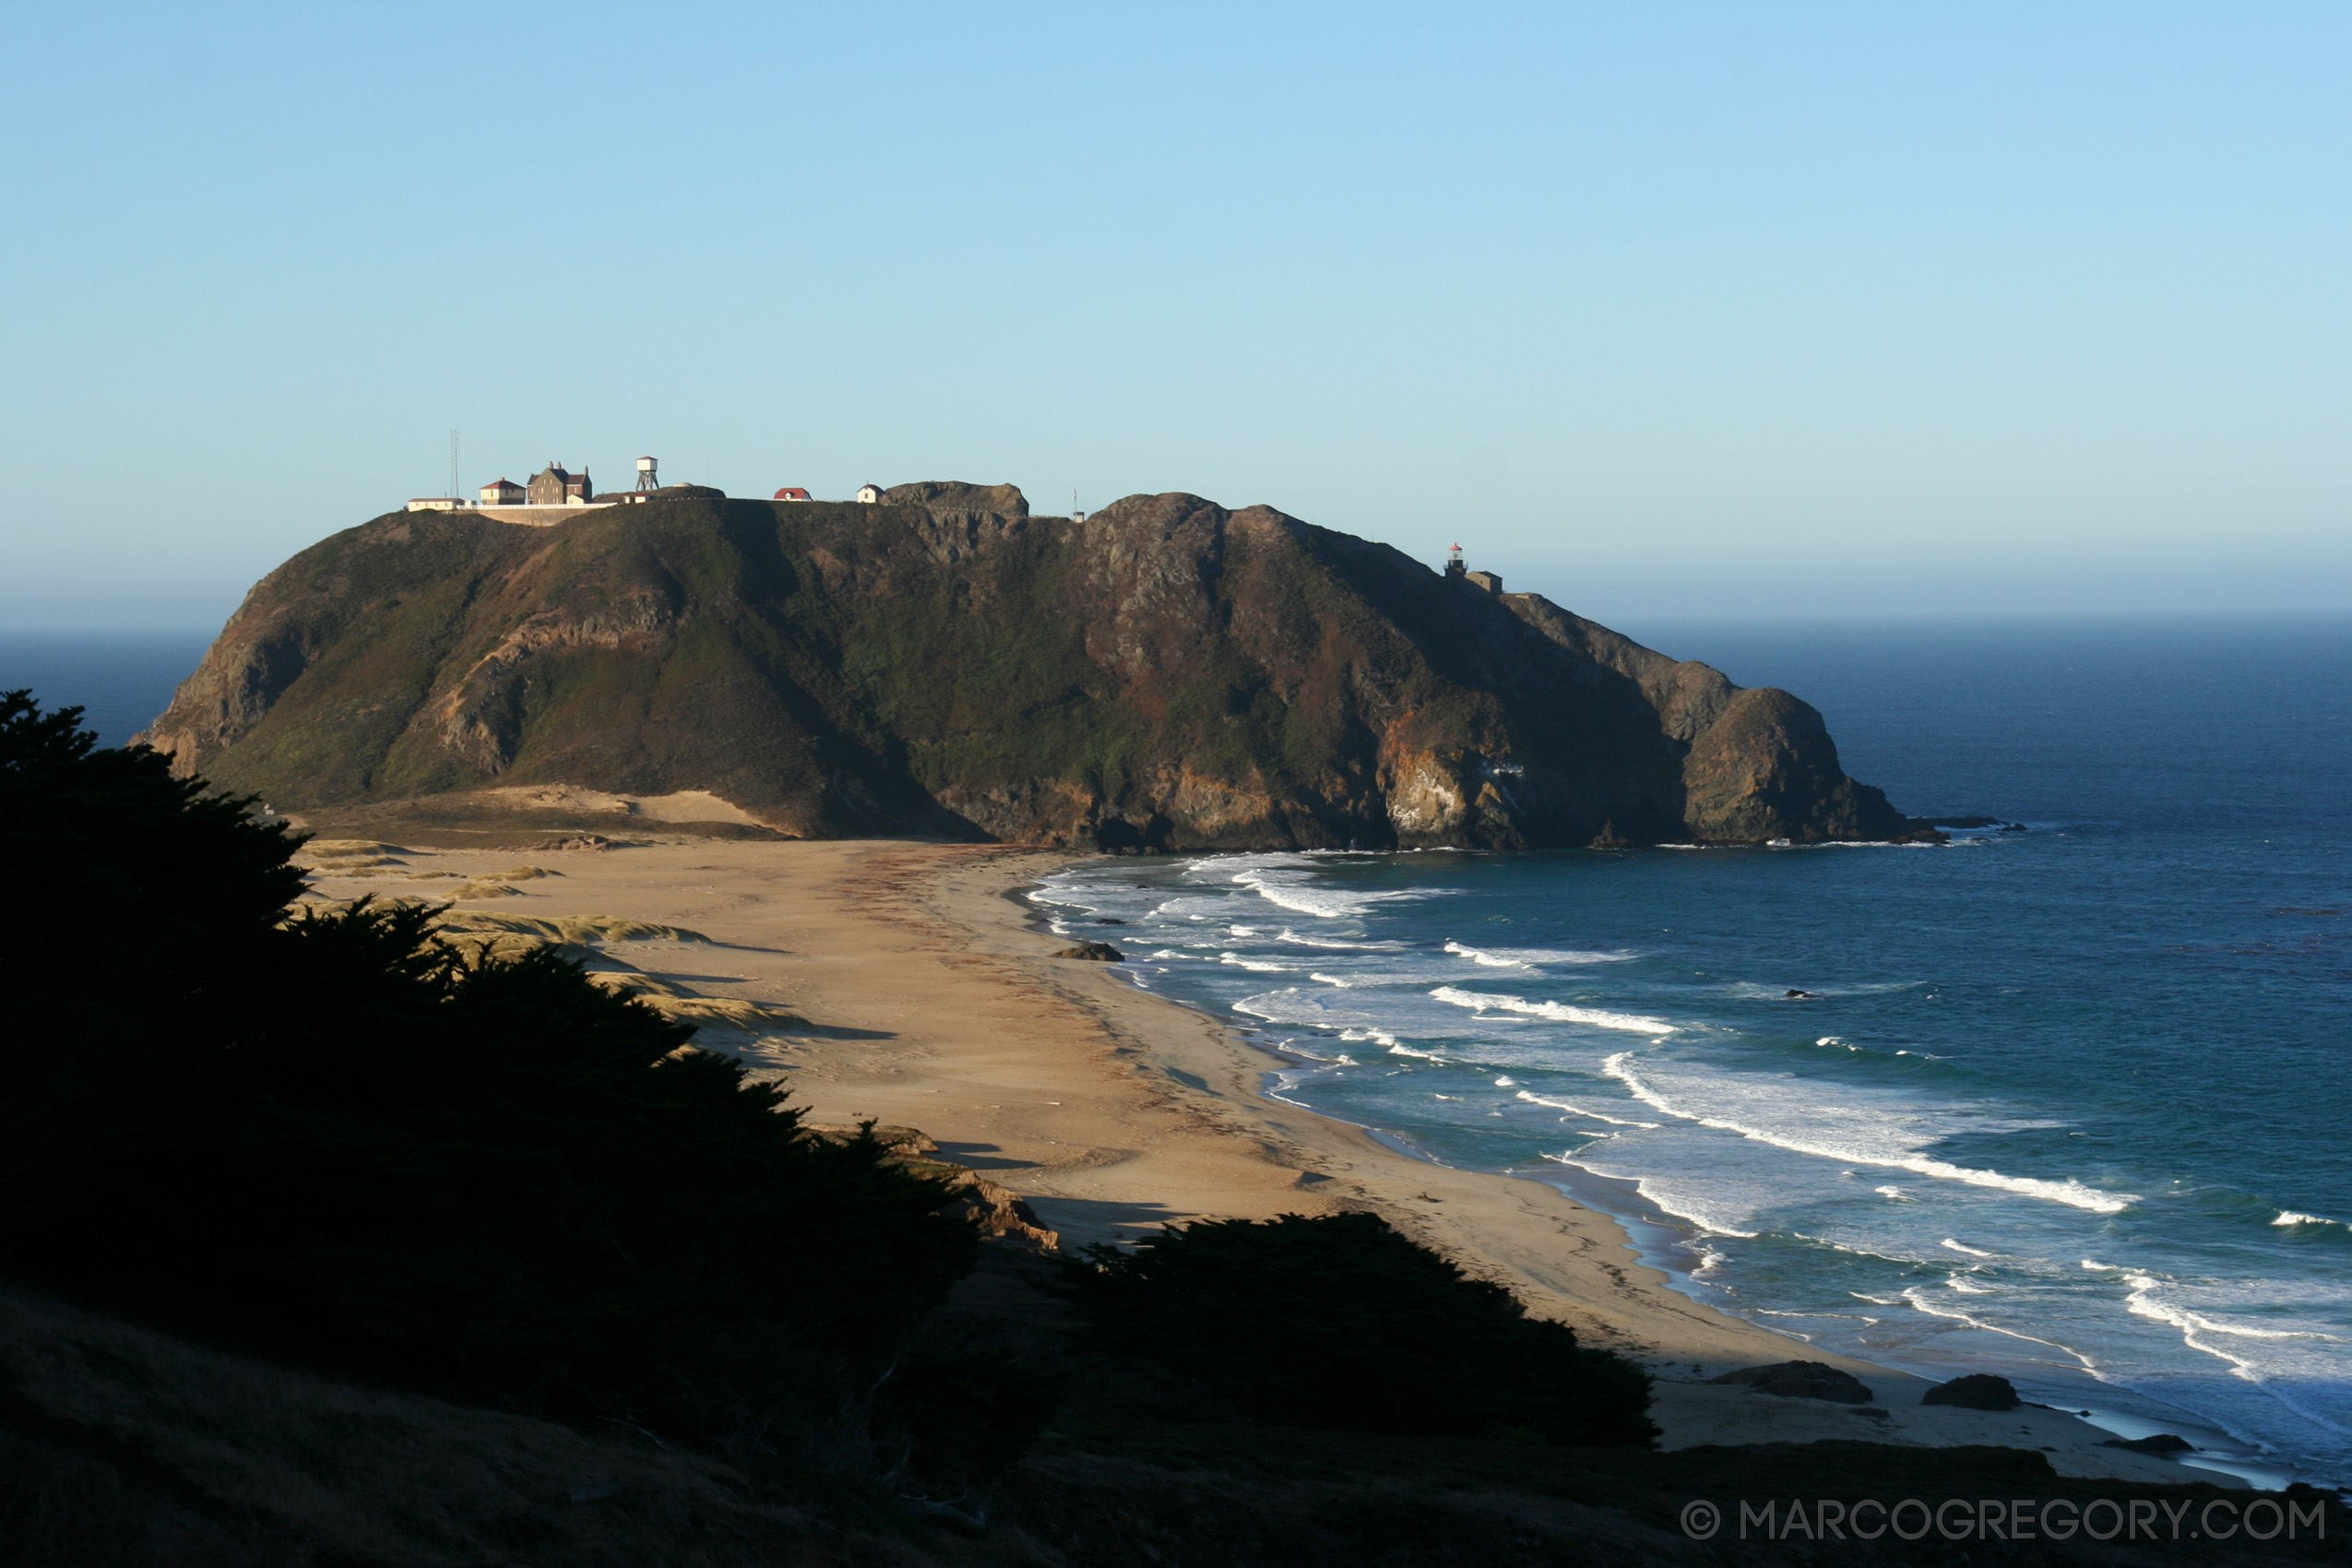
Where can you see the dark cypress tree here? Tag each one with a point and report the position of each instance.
(1340, 1322)
(330, 1138)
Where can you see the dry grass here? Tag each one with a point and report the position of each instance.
(725, 1015)
(636, 982)
(579, 930)
(340, 848)
(722, 1022)
(708, 1015)
(354, 864)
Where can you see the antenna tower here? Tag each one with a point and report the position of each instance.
(453, 462)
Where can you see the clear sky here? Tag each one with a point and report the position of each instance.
(1658, 308)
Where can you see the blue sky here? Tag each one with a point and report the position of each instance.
(1659, 308)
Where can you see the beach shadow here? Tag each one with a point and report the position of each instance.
(979, 1157)
(1083, 1221)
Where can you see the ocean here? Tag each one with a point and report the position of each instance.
(120, 680)
(2071, 1104)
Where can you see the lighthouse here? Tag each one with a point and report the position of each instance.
(1485, 582)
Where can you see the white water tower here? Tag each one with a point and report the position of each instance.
(646, 480)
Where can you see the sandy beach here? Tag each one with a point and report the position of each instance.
(933, 1000)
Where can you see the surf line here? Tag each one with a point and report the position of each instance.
(2071, 1192)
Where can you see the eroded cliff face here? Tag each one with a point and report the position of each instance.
(1167, 674)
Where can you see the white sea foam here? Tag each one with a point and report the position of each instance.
(1560, 1012)
(2289, 1217)
(1297, 883)
(1531, 957)
(1972, 1251)
(1259, 965)
(1291, 936)
(2067, 1190)
(1328, 980)
(1492, 960)
(2142, 1301)
(1504, 1081)
(1193, 908)
(1918, 1297)
(2288, 1364)
(1585, 1110)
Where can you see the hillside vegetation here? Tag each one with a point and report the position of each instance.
(1165, 674)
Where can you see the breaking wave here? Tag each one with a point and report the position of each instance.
(1532, 957)
(2064, 1191)
(1558, 1012)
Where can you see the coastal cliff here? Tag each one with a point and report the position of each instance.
(1164, 674)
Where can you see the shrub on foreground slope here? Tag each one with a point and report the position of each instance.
(1340, 1322)
(331, 1138)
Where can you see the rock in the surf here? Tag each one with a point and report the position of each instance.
(1978, 1391)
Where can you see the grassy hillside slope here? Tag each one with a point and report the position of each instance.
(1166, 673)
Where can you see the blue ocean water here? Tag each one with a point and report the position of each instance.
(2070, 1104)
(122, 679)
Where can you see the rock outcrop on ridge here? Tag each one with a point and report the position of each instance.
(1165, 674)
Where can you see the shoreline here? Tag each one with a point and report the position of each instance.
(933, 1002)
(1675, 1236)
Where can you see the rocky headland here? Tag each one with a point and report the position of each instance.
(1165, 674)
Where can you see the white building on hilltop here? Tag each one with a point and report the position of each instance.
(556, 495)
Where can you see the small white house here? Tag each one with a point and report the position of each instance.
(870, 495)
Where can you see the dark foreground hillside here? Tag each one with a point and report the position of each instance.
(1165, 674)
(120, 1448)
